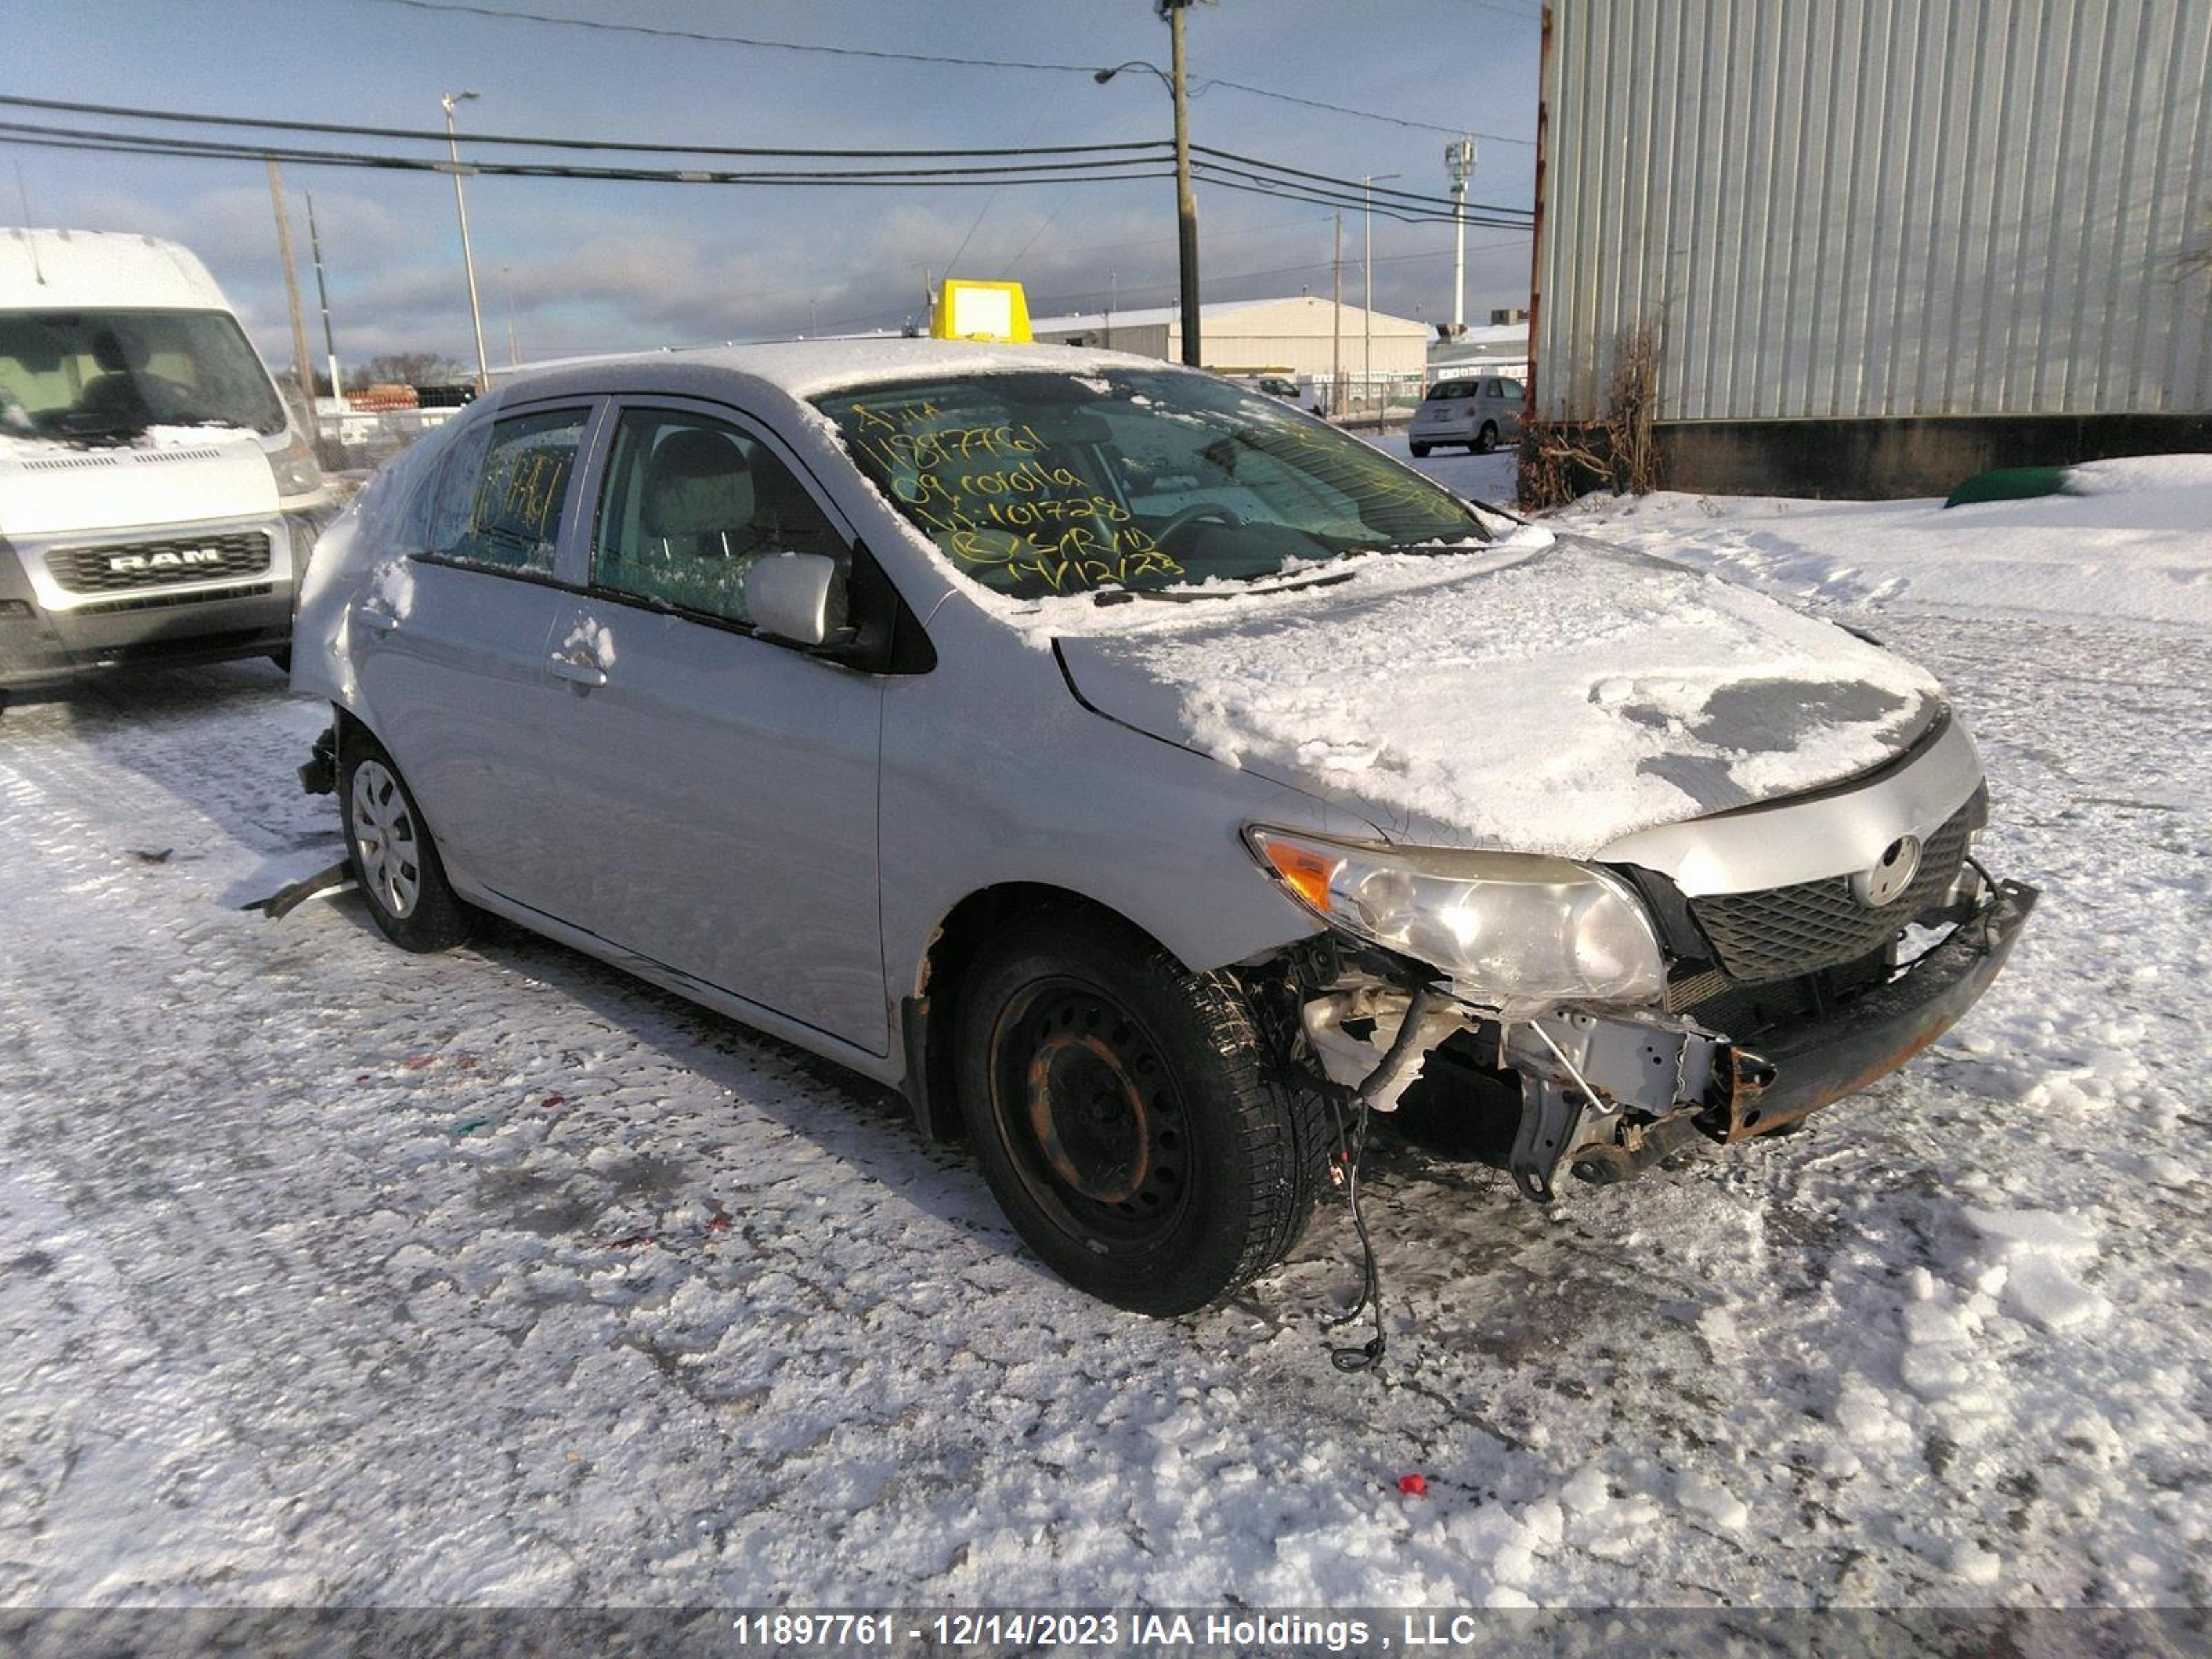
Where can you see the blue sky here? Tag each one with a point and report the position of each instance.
(605, 266)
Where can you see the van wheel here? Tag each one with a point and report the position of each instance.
(1486, 440)
(394, 858)
(1420, 451)
(1125, 1124)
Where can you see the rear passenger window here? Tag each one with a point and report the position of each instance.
(503, 510)
(691, 506)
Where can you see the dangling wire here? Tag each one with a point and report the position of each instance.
(1349, 1153)
(1370, 1352)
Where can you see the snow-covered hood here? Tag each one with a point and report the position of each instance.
(174, 476)
(1551, 703)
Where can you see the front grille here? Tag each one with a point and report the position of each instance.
(163, 601)
(1779, 933)
(126, 566)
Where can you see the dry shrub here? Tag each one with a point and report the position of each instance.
(1562, 459)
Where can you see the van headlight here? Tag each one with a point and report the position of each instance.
(1507, 928)
(295, 470)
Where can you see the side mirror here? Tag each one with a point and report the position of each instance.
(797, 598)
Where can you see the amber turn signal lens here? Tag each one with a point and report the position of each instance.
(1308, 872)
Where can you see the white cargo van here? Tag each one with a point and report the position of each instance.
(157, 496)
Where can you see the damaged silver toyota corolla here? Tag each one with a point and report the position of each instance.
(1141, 776)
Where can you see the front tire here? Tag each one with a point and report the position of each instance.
(394, 858)
(1125, 1124)
(1486, 440)
(1420, 451)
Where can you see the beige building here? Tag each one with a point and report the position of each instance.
(1293, 337)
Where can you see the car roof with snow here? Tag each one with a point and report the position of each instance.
(808, 368)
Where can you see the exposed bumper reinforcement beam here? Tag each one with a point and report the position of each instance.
(1798, 1072)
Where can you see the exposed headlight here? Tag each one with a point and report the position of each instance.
(1507, 928)
(295, 469)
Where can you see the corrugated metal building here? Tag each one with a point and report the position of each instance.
(1886, 242)
(1293, 336)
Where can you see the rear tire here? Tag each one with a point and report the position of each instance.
(1486, 440)
(1124, 1120)
(394, 858)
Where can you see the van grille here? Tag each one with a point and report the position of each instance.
(1779, 933)
(129, 566)
(163, 601)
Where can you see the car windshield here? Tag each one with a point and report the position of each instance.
(102, 376)
(1041, 483)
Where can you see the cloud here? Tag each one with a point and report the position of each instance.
(695, 265)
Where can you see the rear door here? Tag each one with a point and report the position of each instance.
(1513, 395)
(454, 648)
(722, 788)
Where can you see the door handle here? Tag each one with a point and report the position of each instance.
(586, 674)
(379, 621)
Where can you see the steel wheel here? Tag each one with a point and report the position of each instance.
(1091, 1117)
(385, 835)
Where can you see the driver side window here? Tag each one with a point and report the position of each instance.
(691, 505)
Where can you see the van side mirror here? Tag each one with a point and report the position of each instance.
(797, 598)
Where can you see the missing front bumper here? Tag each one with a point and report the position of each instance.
(1791, 1075)
(1606, 1093)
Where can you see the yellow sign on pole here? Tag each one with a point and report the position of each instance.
(981, 311)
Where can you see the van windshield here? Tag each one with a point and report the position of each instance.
(106, 376)
(1036, 482)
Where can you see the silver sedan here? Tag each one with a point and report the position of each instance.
(1146, 778)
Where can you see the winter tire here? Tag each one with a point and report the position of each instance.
(1125, 1124)
(393, 856)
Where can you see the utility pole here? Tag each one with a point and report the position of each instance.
(1113, 284)
(1367, 319)
(1336, 334)
(322, 297)
(513, 348)
(1186, 202)
(300, 364)
(468, 256)
(1459, 162)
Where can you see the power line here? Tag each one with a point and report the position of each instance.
(884, 54)
(1096, 163)
(1365, 114)
(52, 137)
(660, 31)
(1290, 189)
(437, 136)
(1419, 198)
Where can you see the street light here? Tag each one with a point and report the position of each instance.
(1186, 203)
(468, 257)
(1367, 321)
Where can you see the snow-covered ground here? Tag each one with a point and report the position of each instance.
(329, 1274)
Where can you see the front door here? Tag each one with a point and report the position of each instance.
(454, 651)
(724, 787)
